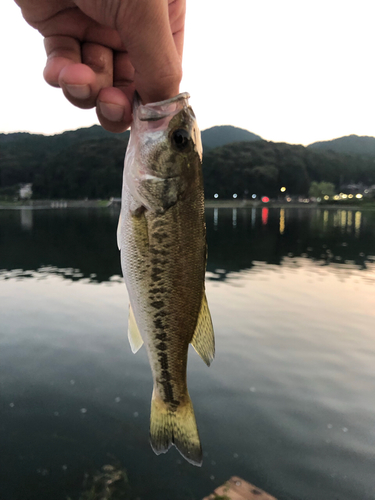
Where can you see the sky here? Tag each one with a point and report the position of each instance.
(295, 71)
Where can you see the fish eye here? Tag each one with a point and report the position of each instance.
(180, 139)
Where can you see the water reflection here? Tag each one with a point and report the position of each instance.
(282, 221)
(57, 242)
(68, 243)
(264, 216)
(357, 224)
(350, 220)
(216, 217)
(234, 217)
(292, 307)
(26, 218)
(271, 235)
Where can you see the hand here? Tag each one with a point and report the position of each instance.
(100, 51)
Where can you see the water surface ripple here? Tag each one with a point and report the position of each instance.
(288, 403)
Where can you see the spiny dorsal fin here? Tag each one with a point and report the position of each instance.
(119, 232)
(203, 340)
(134, 336)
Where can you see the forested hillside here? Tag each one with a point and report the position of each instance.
(263, 167)
(352, 144)
(88, 163)
(225, 134)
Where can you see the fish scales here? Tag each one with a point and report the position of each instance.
(163, 253)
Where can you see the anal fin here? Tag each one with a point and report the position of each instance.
(203, 339)
(134, 335)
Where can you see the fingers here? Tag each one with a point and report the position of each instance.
(114, 110)
(61, 51)
(85, 74)
(81, 83)
(80, 70)
(91, 74)
(114, 105)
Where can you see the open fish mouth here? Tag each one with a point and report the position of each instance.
(158, 110)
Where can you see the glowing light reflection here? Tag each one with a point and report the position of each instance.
(357, 223)
(282, 221)
(265, 216)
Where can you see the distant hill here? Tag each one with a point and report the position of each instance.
(226, 134)
(262, 167)
(211, 138)
(351, 144)
(88, 163)
(57, 142)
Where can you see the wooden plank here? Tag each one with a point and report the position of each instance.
(239, 489)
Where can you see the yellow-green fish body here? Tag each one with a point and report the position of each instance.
(162, 237)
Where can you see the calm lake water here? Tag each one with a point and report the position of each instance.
(288, 404)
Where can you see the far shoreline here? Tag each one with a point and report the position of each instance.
(233, 204)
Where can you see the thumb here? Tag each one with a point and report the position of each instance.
(146, 32)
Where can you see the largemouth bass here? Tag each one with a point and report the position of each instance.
(162, 238)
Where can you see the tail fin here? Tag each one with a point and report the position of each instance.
(178, 427)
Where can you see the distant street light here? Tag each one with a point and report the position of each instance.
(283, 189)
(253, 196)
(235, 195)
(216, 195)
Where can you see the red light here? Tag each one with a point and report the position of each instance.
(265, 199)
(264, 216)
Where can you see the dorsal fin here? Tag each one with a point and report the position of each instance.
(203, 339)
(134, 335)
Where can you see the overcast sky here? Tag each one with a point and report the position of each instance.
(296, 71)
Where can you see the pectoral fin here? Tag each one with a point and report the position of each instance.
(134, 336)
(119, 233)
(203, 340)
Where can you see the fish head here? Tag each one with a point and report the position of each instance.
(164, 155)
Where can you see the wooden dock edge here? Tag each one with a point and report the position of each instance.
(238, 489)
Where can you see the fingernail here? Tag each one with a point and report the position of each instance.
(112, 112)
(79, 91)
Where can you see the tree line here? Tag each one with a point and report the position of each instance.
(91, 165)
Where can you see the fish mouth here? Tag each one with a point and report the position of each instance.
(162, 109)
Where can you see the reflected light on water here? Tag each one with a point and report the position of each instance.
(26, 218)
(357, 224)
(253, 217)
(336, 219)
(234, 217)
(343, 220)
(282, 221)
(216, 217)
(349, 221)
(264, 216)
(293, 320)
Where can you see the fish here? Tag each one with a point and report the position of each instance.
(162, 241)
